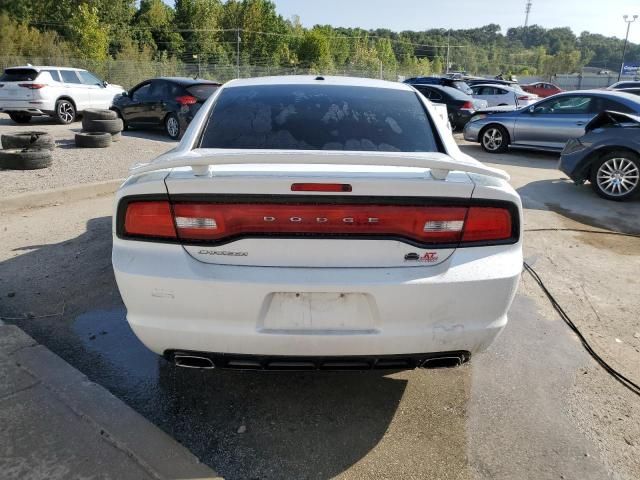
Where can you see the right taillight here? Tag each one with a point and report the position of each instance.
(467, 106)
(213, 222)
(186, 100)
(485, 224)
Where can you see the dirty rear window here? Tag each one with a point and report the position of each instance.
(19, 75)
(202, 91)
(319, 117)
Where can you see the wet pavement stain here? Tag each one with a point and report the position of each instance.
(335, 419)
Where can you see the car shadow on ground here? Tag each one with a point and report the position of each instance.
(581, 204)
(518, 158)
(151, 134)
(243, 424)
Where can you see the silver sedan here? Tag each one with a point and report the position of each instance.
(547, 124)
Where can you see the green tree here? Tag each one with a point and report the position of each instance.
(90, 37)
(314, 51)
(154, 27)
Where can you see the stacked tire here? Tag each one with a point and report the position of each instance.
(99, 129)
(26, 150)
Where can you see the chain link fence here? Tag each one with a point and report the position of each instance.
(130, 72)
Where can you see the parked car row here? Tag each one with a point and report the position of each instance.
(65, 93)
(604, 150)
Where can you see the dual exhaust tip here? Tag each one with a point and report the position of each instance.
(202, 362)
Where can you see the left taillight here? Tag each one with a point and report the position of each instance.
(149, 219)
(32, 86)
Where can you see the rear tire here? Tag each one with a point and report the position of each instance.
(98, 114)
(20, 117)
(65, 111)
(109, 126)
(616, 176)
(452, 122)
(494, 139)
(25, 159)
(172, 127)
(93, 140)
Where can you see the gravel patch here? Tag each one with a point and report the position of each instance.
(73, 166)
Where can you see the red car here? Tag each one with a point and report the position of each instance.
(542, 89)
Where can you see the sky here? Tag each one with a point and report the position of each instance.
(596, 16)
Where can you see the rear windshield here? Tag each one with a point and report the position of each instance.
(463, 87)
(202, 91)
(319, 117)
(458, 94)
(19, 75)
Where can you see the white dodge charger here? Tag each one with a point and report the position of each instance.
(317, 223)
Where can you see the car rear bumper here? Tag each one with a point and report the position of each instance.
(471, 131)
(177, 303)
(575, 166)
(32, 107)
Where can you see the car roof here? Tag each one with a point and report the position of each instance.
(494, 85)
(187, 80)
(454, 92)
(46, 67)
(318, 80)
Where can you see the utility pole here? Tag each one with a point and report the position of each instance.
(448, 48)
(527, 11)
(238, 53)
(626, 40)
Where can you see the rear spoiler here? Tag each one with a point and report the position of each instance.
(201, 159)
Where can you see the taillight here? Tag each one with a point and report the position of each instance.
(186, 100)
(220, 221)
(149, 219)
(223, 222)
(487, 223)
(32, 86)
(526, 97)
(467, 106)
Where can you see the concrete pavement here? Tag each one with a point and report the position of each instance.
(56, 424)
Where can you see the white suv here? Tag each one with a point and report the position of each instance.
(60, 92)
(317, 222)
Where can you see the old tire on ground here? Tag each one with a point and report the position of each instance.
(20, 117)
(25, 159)
(494, 139)
(28, 140)
(115, 137)
(99, 114)
(93, 139)
(109, 126)
(616, 175)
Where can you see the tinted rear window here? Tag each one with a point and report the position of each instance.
(19, 75)
(319, 117)
(202, 91)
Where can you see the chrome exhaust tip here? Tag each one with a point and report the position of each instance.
(193, 361)
(443, 362)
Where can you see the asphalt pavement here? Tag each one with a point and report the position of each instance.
(533, 406)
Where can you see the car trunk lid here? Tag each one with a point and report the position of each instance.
(283, 209)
